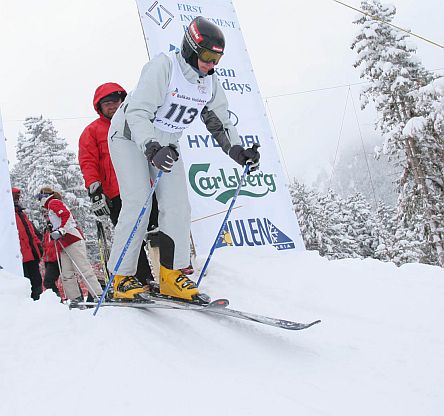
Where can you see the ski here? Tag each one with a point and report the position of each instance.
(155, 303)
(218, 306)
(262, 319)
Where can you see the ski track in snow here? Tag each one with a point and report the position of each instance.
(379, 348)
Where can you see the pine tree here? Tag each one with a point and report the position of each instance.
(43, 159)
(306, 209)
(413, 138)
(345, 228)
(361, 225)
(384, 232)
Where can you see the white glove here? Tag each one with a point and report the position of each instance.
(57, 234)
(98, 200)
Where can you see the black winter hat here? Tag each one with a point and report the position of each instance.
(114, 96)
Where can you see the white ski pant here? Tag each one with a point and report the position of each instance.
(76, 253)
(133, 174)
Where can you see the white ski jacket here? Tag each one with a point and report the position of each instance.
(135, 117)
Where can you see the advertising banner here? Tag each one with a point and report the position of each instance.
(10, 256)
(263, 213)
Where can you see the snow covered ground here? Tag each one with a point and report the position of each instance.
(378, 351)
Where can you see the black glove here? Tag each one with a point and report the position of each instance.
(243, 156)
(57, 234)
(98, 200)
(162, 157)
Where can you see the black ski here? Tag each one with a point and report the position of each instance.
(262, 319)
(218, 306)
(155, 303)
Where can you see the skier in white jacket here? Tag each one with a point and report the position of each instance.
(172, 92)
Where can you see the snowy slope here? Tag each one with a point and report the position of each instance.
(378, 351)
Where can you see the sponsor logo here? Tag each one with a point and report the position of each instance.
(233, 117)
(226, 76)
(208, 141)
(168, 125)
(254, 232)
(159, 14)
(217, 49)
(197, 100)
(202, 89)
(173, 48)
(195, 33)
(222, 186)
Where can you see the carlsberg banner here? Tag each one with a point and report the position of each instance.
(263, 212)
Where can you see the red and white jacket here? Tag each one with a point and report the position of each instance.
(61, 217)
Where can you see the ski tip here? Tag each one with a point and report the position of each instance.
(304, 326)
(220, 302)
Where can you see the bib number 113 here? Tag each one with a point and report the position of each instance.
(181, 113)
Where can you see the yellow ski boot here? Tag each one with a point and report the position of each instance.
(127, 287)
(175, 284)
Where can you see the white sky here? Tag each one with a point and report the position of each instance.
(55, 53)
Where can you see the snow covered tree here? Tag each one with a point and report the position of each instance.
(307, 212)
(43, 159)
(356, 172)
(345, 228)
(337, 228)
(408, 99)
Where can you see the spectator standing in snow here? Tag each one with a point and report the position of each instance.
(70, 245)
(30, 246)
(52, 271)
(174, 90)
(98, 171)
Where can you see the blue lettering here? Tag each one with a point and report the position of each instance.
(192, 141)
(215, 143)
(251, 223)
(249, 140)
(264, 231)
(204, 139)
(239, 242)
(188, 8)
(245, 234)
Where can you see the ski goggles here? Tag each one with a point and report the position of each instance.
(207, 56)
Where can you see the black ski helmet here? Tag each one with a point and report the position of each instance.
(203, 40)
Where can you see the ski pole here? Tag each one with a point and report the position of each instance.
(128, 242)
(247, 168)
(60, 270)
(103, 249)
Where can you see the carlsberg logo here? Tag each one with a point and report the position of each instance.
(225, 185)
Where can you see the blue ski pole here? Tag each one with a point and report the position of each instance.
(128, 242)
(224, 221)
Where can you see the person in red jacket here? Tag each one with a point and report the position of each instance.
(52, 271)
(98, 171)
(70, 245)
(30, 246)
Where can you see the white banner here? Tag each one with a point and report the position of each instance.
(263, 212)
(10, 256)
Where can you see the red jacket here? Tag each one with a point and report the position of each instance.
(30, 244)
(60, 217)
(94, 158)
(49, 250)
